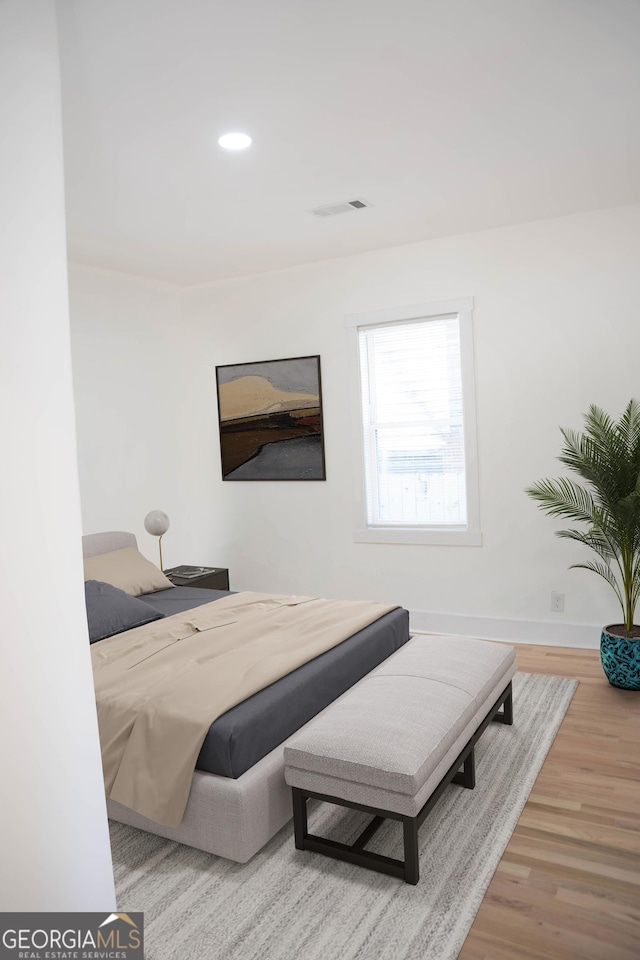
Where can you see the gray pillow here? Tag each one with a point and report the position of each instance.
(111, 611)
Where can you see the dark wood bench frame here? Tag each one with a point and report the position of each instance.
(407, 869)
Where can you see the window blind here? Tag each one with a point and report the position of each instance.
(411, 380)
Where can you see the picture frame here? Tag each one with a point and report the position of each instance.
(270, 419)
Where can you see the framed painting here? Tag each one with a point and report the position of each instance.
(270, 415)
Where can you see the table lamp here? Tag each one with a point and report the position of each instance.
(157, 523)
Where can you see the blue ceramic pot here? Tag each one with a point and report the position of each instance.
(620, 660)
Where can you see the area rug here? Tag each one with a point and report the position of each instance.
(287, 904)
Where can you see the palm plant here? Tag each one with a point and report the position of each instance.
(607, 457)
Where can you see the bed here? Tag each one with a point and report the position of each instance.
(238, 798)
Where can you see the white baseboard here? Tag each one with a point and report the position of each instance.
(545, 632)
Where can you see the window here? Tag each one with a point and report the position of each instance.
(418, 477)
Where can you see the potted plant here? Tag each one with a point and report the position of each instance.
(607, 457)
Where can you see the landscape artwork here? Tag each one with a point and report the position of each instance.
(271, 420)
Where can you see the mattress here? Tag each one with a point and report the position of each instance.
(253, 728)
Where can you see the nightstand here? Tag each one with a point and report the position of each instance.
(211, 578)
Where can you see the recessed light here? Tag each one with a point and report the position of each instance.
(235, 141)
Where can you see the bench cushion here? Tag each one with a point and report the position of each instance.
(396, 727)
(474, 666)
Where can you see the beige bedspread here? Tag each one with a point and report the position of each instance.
(160, 687)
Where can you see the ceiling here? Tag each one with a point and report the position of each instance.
(449, 116)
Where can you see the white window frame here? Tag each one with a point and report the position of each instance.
(468, 534)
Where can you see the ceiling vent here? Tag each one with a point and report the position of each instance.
(345, 206)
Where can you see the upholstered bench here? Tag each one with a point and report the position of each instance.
(392, 743)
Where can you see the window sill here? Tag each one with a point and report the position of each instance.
(436, 536)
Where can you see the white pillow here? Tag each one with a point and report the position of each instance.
(128, 570)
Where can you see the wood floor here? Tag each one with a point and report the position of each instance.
(568, 885)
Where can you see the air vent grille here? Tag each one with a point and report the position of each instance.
(344, 206)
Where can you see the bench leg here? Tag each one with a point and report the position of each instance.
(411, 860)
(300, 827)
(467, 776)
(469, 770)
(508, 708)
(506, 714)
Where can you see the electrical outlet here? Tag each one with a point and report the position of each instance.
(557, 602)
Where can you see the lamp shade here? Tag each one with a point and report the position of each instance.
(156, 522)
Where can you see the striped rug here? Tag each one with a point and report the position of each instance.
(294, 905)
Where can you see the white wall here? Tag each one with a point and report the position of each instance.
(54, 840)
(129, 375)
(555, 329)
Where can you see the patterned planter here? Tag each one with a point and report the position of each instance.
(620, 660)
